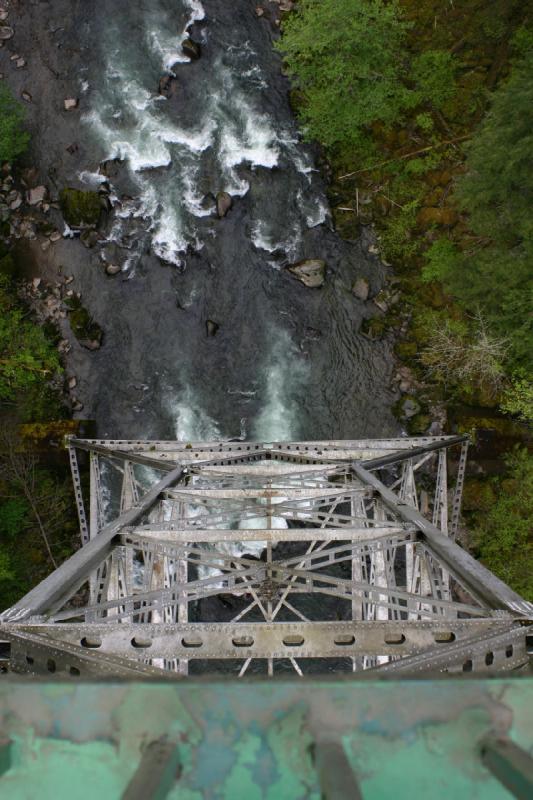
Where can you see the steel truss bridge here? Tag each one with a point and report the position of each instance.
(261, 558)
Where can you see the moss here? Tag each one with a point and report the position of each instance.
(418, 424)
(478, 495)
(82, 324)
(406, 349)
(7, 266)
(80, 208)
(374, 328)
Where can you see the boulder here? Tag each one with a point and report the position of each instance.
(167, 86)
(37, 195)
(191, 49)
(6, 32)
(211, 327)
(311, 272)
(361, 289)
(89, 238)
(224, 203)
(70, 103)
(408, 407)
(80, 208)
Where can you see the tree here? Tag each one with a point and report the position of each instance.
(346, 58)
(13, 139)
(494, 270)
(503, 536)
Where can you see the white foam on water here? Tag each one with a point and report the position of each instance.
(92, 179)
(191, 422)
(285, 371)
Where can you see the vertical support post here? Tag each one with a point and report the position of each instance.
(76, 481)
(458, 492)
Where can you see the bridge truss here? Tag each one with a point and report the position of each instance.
(260, 558)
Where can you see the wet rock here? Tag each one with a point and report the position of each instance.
(71, 103)
(72, 382)
(167, 86)
(259, 11)
(55, 236)
(37, 195)
(6, 33)
(77, 405)
(208, 202)
(361, 289)
(26, 96)
(4, 14)
(89, 238)
(311, 272)
(91, 344)
(211, 327)
(191, 49)
(14, 200)
(436, 216)
(30, 177)
(80, 208)
(20, 63)
(112, 269)
(408, 406)
(224, 203)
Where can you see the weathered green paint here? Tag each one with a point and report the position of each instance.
(255, 740)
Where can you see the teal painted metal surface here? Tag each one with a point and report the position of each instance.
(256, 741)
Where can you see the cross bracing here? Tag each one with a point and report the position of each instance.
(261, 557)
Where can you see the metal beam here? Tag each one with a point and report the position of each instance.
(484, 586)
(402, 455)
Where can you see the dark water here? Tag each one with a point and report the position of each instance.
(287, 361)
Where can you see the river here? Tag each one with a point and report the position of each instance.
(286, 361)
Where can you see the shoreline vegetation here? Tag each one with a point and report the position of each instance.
(424, 113)
(38, 526)
(424, 117)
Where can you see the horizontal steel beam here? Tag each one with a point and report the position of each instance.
(166, 532)
(500, 649)
(266, 640)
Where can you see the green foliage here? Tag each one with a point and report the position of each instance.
(14, 512)
(13, 139)
(503, 535)
(433, 72)
(80, 208)
(27, 359)
(346, 58)
(495, 271)
(518, 400)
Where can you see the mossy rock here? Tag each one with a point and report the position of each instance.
(83, 326)
(80, 208)
(374, 328)
(419, 424)
(407, 407)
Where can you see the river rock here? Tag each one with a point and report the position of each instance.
(37, 195)
(91, 344)
(112, 269)
(211, 327)
(72, 382)
(408, 407)
(55, 236)
(15, 200)
(191, 49)
(311, 272)
(167, 86)
(89, 238)
(4, 14)
(26, 96)
(71, 103)
(6, 32)
(361, 289)
(224, 203)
